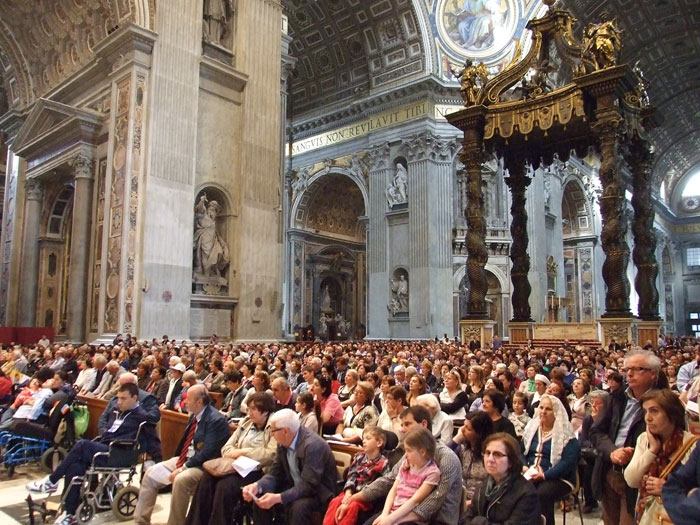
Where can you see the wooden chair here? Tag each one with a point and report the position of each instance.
(342, 462)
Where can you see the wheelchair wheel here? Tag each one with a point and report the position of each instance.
(52, 458)
(85, 512)
(124, 504)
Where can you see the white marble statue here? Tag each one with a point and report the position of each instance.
(325, 300)
(399, 293)
(322, 325)
(217, 14)
(397, 191)
(211, 253)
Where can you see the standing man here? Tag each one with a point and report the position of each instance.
(303, 477)
(205, 434)
(614, 435)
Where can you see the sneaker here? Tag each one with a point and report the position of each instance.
(66, 519)
(43, 486)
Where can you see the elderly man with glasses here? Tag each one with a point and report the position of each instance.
(303, 477)
(614, 435)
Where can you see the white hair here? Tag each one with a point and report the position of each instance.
(431, 401)
(285, 418)
(652, 360)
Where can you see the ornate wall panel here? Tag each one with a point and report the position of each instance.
(119, 196)
(96, 288)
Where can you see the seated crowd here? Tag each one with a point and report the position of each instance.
(445, 432)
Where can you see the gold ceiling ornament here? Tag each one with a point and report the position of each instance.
(601, 46)
(472, 79)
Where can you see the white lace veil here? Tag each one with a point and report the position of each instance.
(562, 432)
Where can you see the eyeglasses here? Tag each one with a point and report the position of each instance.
(635, 369)
(495, 454)
(273, 430)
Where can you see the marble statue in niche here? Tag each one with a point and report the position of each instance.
(325, 300)
(211, 253)
(217, 14)
(399, 293)
(323, 325)
(397, 191)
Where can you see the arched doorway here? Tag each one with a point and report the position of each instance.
(579, 241)
(328, 246)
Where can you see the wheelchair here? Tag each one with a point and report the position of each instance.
(102, 487)
(29, 442)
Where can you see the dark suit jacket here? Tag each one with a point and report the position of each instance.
(149, 404)
(128, 429)
(211, 434)
(176, 392)
(160, 390)
(602, 435)
(232, 403)
(316, 467)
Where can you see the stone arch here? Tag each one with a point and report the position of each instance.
(299, 198)
(59, 212)
(322, 183)
(495, 270)
(576, 213)
(44, 43)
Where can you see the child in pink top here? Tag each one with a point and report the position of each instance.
(418, 476)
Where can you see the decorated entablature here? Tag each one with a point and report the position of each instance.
(564, 95)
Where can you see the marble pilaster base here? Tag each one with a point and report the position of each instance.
(648, 331)
(621, 329)
(520, 332)
(211, 315)
(481, 328)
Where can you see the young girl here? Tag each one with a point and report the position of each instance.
(418, 476)
(366, 466)
(519, 417)
(309, 412)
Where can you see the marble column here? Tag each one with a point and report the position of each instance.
(30, 253)
(79, 249)
(612, 209)
(644, 253)
(472, 156)
(377, 268)
(518, 182)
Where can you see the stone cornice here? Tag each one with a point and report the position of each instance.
(427, 87)
(129, 45)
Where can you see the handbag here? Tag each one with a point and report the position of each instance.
(219, 467)
(654, 511)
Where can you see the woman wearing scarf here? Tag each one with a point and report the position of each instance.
(550, 454)
(661, 444)
(505, 496)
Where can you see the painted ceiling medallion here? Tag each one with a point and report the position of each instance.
(483, 30)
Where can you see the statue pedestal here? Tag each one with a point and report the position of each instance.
(620, 329)
(217, 52)
(209, 315)
(648, 331)
(481, 328)
(520, 332)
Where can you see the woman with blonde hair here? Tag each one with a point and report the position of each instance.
(475, 383)
(453, 400)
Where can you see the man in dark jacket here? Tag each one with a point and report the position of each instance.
(205, 434)
(302, 478)
(614, 435)
(149, 404)
(680, 493)
(123, 424)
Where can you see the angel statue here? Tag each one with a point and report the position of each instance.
(602, 44)
(472, 79)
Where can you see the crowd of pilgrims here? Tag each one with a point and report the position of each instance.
(517, 428)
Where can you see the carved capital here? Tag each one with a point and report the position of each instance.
(428, 146)
(379, 156)
(83, 166)
(33, 189)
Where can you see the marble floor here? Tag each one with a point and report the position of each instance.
(13, 507)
